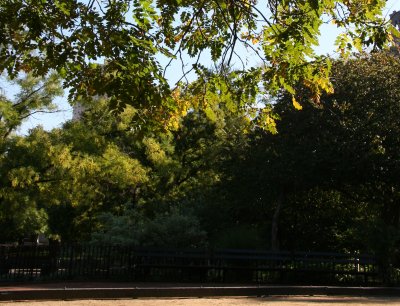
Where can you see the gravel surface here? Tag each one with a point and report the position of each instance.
(245, 301)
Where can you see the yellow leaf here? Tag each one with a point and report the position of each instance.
(296, 104)
(14, 182)
(179, 36)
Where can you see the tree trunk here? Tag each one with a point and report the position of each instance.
(275, 221)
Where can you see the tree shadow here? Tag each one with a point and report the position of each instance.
(331, 300)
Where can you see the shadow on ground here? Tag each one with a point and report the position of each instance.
(326, 300)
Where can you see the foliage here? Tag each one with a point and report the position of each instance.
(72, 173)
(208, 173)
(36, 95)
(19, 215)
(173, 230)
(333, 169)
(72, 36)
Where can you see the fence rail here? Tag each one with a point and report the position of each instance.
(87, 262)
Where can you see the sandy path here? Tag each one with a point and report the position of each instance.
(275, 301)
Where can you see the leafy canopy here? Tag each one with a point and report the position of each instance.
(73, 36)
(36, 95)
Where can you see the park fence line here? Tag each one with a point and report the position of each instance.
(123, 263)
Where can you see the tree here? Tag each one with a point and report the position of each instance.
(100, 166)
(63, 178)
(181, 156)
(36, 94)
(343, 153)
(71, 36)
(19, 215)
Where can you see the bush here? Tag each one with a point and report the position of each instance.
(171, 229)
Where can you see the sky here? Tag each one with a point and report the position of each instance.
(49, 121)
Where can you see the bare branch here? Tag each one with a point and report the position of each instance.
(40, 111)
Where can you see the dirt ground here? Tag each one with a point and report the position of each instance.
(241, 301)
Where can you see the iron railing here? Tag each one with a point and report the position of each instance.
(88, 262)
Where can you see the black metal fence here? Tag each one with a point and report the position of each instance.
(87, 262)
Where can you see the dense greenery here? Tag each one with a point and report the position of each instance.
(113, 47)
(213, 177)
(297, 153)
(328, 180)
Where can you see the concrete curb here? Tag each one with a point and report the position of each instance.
(161, 292)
